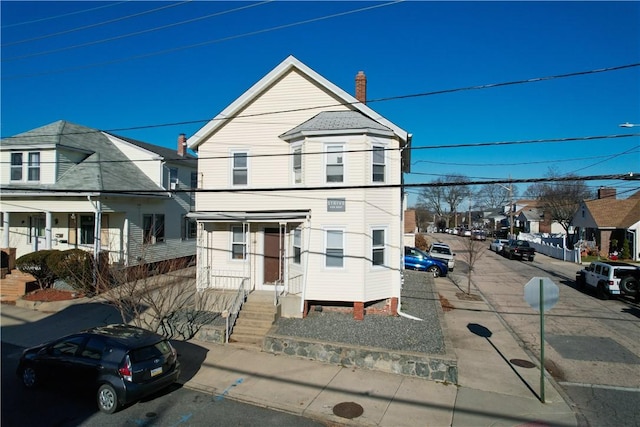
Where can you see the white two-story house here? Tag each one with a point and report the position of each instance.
(301, 193)
(68, 186)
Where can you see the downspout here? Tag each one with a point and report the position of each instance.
(97, 206)
(401, 237)
(306, 263)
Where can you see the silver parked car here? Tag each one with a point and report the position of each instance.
(497, 244)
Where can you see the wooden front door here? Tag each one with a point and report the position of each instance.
(273, 245)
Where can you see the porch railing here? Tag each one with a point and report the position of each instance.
(236, 306)
(222, 279)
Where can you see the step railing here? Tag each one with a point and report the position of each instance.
(236, 306)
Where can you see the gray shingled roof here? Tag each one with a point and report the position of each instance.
(337, 122)
(105, 168)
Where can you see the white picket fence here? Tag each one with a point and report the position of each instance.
(553, 248)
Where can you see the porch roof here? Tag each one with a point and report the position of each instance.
(249, 216)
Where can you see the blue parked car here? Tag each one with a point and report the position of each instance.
(415, 259)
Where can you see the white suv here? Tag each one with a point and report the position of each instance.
(611, 278)
(443, 252)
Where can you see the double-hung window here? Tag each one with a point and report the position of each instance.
(297, 246)
(189, 228)
(173, 178)
(378, 163)
(238, 242)
(335, 163)
(16, 166)
(153, 228)
(378, 246)
(297, 165)
(334, 248)
(33, 168)
(239, 168)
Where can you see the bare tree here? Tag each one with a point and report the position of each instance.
(473, 251)
(494, 196)
(448, 191)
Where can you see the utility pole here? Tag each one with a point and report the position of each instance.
(511, 209)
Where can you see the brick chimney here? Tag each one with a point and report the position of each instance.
(606, 193)
(182, 144)
(361, 87)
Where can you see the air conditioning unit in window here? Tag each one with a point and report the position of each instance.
(173, 186)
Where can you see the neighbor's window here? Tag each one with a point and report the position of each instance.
(34, 167)
(335, 163)
(173, 178)
(297, 246)
(238, 243)
(334, 248)
(377, 246)
(297, 165)
(87, 229)
(378, 163)
(194, 179)
(189, 228)
(16, 166)
(153, 228)
(240, 168)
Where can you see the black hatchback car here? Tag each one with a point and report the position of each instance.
(121, 363)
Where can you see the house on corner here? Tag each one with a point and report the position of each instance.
(607, 218)
(68, 186)
(300, 194)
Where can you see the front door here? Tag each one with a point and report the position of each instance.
(273, 248)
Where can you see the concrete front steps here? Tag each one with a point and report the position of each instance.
(254, 321)
(15, 285)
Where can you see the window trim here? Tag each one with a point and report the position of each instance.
(233, 168)
(33, 166)
(342, 162)
(374, 149)
(327, 230)
(296, 151)
(244, 242)
(382, 246)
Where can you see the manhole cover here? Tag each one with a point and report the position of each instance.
(522, 363)
(348, 410)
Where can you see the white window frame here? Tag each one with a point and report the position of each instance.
(235, 168)
(17, 167)
(381, 149)
(33, 166)
(380, 246)
(242, 243)
(330, 149)
(296, 243)
(327, 232)
(296, 154)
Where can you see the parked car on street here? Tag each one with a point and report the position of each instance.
(120, 363)
(518, 249)
(415, 259)
(497, 244)
(478, 235)
(444, 253)
(610, 278)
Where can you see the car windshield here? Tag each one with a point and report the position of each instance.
(441, 250)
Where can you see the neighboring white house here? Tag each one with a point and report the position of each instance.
(300, 193)
(68, 186)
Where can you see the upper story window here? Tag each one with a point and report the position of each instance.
(297, 165)
(335, 163)
(173, 178)
(378, 164)
(33, 166)
(16, 166)
(239, 168)
(153, 228)
(194, 180)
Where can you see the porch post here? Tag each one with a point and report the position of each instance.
(47, 229)
(5, 229)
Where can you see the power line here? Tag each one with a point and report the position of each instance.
(49, 18)
(205, 43)
(85, 27)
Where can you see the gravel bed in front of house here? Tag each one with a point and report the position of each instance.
(418, 299)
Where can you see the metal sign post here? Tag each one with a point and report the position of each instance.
(534, 294)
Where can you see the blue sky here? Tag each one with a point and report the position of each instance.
(168, 71)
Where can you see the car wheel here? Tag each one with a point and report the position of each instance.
(580, 282)
(602, 292)
(630, 285)
(108, 399)
(510, 255)
(29, 377)
(434, 270)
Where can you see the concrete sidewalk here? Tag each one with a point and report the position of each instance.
(495, 386)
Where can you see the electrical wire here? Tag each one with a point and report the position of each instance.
(49, 18)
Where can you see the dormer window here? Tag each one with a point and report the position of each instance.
(32, 166)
